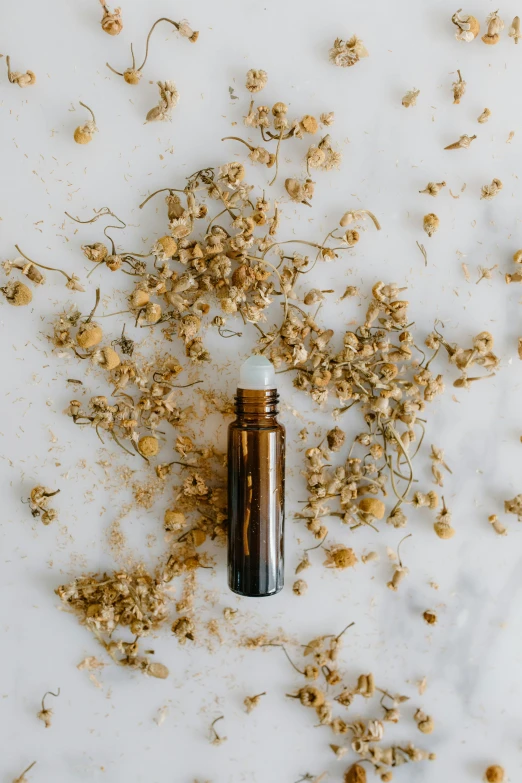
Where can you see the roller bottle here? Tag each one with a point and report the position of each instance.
(256, 484)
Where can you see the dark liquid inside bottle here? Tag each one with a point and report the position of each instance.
(256, 495)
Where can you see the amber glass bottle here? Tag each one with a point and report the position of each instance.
(256, 484)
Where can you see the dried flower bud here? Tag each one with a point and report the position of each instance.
(256, 80)
(468, 27)
(424, 722)
(514, 30)
(463, 143)
(169, 97)
(398, 575)
(347, 53)
(433, 188)
(95, 253)
(484, 117)
(174, 520)
(327, 118)
(185, 30)
(310, 696)
(109, 358)
(148, 446)
(410, 99)
(300, 192)
(132, 76)
(459, 88)
(158, 670)
(442, 525)
(430, 617)
(517, 257)
(490, 191)
(495, 26)
(340, 557)
(89, 334)
(251, 702)
(111, 22)
(335, 439)
(514, 506)
(351, 237)
(21, 79)
(17, 293)
(372, 507)
(366, 685)
(497, 525)
(494, 774)
(431, 223)
(309, 124)
(299, 587)
(84, 133)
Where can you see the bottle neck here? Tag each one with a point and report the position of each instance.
(256, 404)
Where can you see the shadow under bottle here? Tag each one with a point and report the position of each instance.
(256, 502)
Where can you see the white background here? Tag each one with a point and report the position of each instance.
(472, 659)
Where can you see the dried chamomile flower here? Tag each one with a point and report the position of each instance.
(327, 118)
(468, 26)
(299, 587)
(89, 334)
(347, 53)
(497, 525)
(323, 156)
(39, 503)
(340, 557)
(46, 714)
(514, 506)
(251, 702)
(463, 143)
(232, 174)
(111, 22)
(84, 133)
(300, 192)
(484, 117)
(354, 215)
(514, 30)
(133, 74)
(490, 191)
(459, 88)
(184, 629)
(430, 500)
(169, 97)
(442, 525)
(431, 223)
(148, 446)
(437, 458)
(17, 293)
(21, 778)
(495, 26)
(21, 79)
(424, 722)
(372, 508)
(410, 99)
(355, 774)
(309, 696)
(257, 154)
(430, 617)
(256, 80)
(366, 685)
(400, 572)
(494, 774)
(433, 188)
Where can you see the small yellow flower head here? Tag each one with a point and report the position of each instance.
(89, 335)
(494, 774)
(17, 293)
(148, 446)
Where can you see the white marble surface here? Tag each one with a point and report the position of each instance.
(472, 658)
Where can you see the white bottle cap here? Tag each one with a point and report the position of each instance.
(257, 373)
